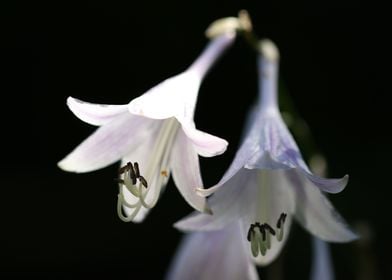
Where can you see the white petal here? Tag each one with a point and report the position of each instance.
(316, 213)
(231, 202)
(108, 144)
(205, 144)
(174, 97)
(94, 114)
(322, 268)
(186, 171)
(213, 255)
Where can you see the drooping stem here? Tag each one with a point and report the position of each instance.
(211, 53)
(268, 75)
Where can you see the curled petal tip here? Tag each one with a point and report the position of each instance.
(205, 192)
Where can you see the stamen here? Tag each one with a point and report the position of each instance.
(131, 173)
(280, 226)
(137, 172)
(143, 181)
(268, 241)
(281, 220)
(270, 229)
(122, 169)
(254, 244)
(262, 230)
(251, 229)
(259, 239)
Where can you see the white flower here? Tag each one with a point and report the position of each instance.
(220, 254)
(157, 131)
(268, 182)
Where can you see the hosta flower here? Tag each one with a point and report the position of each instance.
(210, 255)
(155, 130)
(268, 182)
(222, 254)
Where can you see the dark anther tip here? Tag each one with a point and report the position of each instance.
(137, 172)
(270, 229)
(250, 232)
(143, 181)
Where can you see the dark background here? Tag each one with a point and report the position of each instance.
(64, 226)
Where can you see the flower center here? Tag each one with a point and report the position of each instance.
(130, 174)
(259, 235)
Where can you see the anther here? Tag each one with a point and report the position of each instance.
(137, 172)
(131, 173)
(262, 230)
(143, 181)
(250, 231)
(270, 229)
(281, 220)
(280, 226)
(121, 170)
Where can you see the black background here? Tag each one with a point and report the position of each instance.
(64, 226)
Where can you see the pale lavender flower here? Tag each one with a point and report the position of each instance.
(268, 182)
(157, 131)
(213, 255)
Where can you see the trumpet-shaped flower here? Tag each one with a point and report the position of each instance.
(268, 182)
(220, 254)
(157, 132)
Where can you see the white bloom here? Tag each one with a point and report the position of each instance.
(157, 131)
(268, 182)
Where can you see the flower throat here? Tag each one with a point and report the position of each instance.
(259, 235)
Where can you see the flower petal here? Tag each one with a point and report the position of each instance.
(244, 153)
(264, 160)
(231, 202)
(109, 143)
(175, 96)
(213, 255)
(205, 144)
(326, 184)
(322, 268)
(316, 213)
(94, 114)
(186, 171)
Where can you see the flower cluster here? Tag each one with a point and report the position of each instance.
(249, 212)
